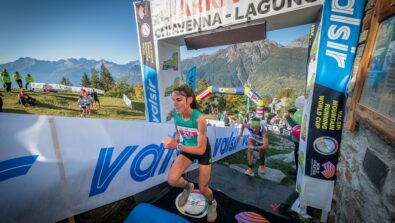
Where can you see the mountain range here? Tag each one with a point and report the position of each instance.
(266, 66)
(73, 69)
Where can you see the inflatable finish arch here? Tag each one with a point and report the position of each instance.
(251, 94)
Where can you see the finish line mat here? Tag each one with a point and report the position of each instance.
(227, 209)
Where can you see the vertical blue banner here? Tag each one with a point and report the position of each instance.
(340, 28)
(148, 62)
(339, 37)
(191, 78)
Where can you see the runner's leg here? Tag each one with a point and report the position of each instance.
(204, 178)
(177, 169)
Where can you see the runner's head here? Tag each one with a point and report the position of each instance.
(183, 97)
(255, 124)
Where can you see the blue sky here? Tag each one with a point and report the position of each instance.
(99, 29)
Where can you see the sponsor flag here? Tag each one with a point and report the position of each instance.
(191, 79)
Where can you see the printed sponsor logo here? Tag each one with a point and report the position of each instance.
(315, 167)
(329, 170)
(192, 15)
(144, 165)
(227, 90)
(145, 30)
(326, 145)
(16, 167)
(150, 161)
(152, 94)
(227, 144)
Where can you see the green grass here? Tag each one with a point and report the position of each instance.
(65, 104)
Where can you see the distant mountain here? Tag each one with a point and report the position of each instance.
(301, 42)
(73, 69)
(265, 65)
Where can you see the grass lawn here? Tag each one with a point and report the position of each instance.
(65, 104)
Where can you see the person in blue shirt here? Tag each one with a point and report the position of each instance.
(192, 142)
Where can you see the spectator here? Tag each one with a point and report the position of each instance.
(6, 80)
(226, 119)
(95, 98)
(29, 79)
(18, 79)
(292, 123)
(247, 117)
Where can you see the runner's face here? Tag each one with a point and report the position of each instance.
(256, 129)
(179, 102)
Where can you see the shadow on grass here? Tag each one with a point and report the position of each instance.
(139, 106)
(51, 106)
(19, 111)
(129, 112)
(68, 98)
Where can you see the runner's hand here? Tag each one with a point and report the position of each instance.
(169, 142)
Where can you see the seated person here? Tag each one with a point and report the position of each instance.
(24, 99)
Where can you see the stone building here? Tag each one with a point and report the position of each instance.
(365, 185)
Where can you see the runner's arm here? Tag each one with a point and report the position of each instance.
(241, 131)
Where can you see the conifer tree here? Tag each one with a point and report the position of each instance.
(95, 81)
(65, 81)
(105, 78)
(85, 82)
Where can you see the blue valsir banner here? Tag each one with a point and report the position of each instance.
(329, 69)
(151, 94)
(148, 61)
(339, 37)
(191, 78)
(340, 27)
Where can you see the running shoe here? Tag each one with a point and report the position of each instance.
(185, 194)
(263, 169)
(212, 211)
(250, 172)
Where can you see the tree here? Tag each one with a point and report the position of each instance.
(65, 81)
(201, 85)
(85, 82)
(95, 81)
(137, 92)
(105, 78)
(286, 93)
(236, 103)
(118, 90)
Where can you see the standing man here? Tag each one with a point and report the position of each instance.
(18, 79)
(6, 80)
(95, 98)
(258, 139)
(29, 79)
